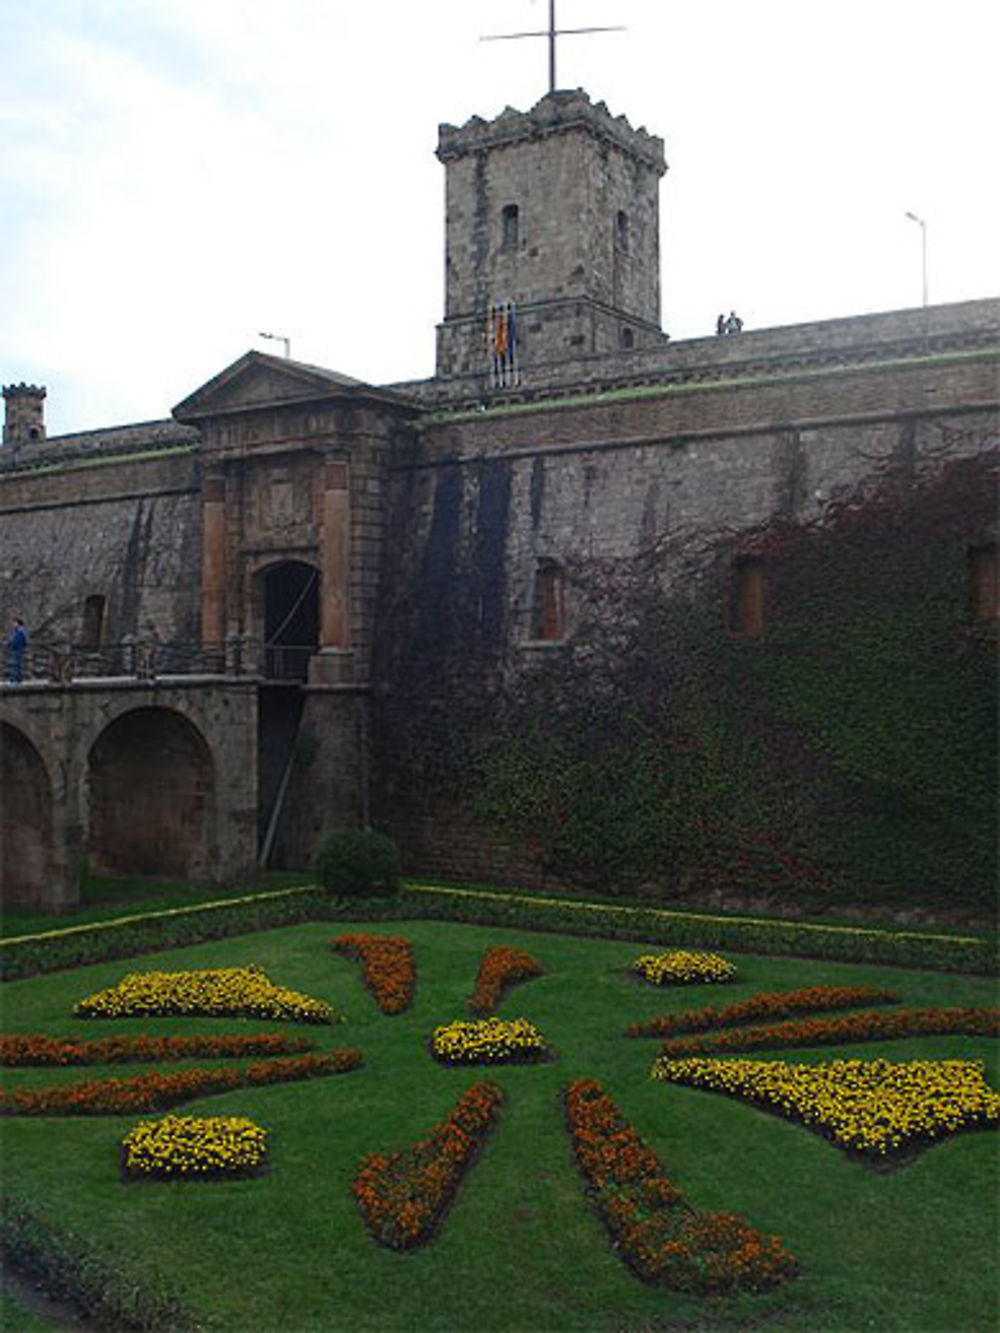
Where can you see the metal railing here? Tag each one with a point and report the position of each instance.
(139, 659)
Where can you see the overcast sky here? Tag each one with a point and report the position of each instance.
(178, 175)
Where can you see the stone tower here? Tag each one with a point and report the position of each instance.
(555, 210)
(24, 417)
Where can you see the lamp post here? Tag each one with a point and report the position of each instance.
(279, 338)
(923, 251)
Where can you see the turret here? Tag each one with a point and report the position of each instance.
(24, 415)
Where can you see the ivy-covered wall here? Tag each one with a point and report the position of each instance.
(846, 754)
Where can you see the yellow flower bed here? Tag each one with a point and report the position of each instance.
(488, 1041)
(184, 1145)
(683, 967)
(874, 1107)
(242, 991)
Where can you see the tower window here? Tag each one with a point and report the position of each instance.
(509, 226)
(746, 610)
(621, 230)
(93, 623)
(627, 337)
(548, 612)
(984, 585)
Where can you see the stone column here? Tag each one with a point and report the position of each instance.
(335, 661)
(213, 559)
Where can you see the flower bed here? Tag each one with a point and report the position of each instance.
(843, 1028)
(243, 992)
(403, 1195)
(387, 962)
(179, 1147)
(876, 1108)
(767, 1004)
(26, 1049)
(489, 1041)
(655, 1230)
(155, 1091)
(683, 967)
(500, 969)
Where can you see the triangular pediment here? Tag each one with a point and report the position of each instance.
(257, 380)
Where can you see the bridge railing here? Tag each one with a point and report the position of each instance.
(139, 659)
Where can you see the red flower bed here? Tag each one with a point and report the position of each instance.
(155, 1091)
(656, 1231)
(843, 1028)
(403, 1195)
(768, 1004)
(500, 969)
(24, 1049)
(387, 963)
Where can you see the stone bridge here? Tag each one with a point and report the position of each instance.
(152, 777)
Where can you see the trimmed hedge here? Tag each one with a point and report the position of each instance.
(944, 953)
(76, 946)
(71, 1269)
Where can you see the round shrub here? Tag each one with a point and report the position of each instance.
(358, 861)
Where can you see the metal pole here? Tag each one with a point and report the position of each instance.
(923, 253)
(552, 46)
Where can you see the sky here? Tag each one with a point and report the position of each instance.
(178, 176)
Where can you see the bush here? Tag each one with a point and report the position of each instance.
(358, 862)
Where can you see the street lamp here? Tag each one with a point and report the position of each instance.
(279, 338)
(923, 249)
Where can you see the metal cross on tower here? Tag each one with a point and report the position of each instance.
(551, 33)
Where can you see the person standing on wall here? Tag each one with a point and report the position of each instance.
(16, 644)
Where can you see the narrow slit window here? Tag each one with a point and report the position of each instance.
(984, 585)
(621, 230)
(548, 616)
(93, 623)
(509, 224)
(747, 605)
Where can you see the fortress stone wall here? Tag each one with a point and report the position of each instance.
(306, 534)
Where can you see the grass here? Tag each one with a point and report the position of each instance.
(910, 1250)
(103, 898)
(18, 1316)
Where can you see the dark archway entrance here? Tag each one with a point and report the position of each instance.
(152, 797)
(25, 820)
(290, 593)
(291, 619)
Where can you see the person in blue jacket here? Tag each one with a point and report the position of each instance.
(16, 645)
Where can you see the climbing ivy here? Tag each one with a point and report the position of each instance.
(846, 754)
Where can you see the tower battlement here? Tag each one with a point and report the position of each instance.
(555, 113)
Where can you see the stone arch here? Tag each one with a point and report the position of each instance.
(26, 820)
(151, 797)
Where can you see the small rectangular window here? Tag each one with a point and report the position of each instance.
(509, 226)
(548, 615)
(984, 585)
(93, 623)
(746, 613)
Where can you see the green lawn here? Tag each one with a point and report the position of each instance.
(103, 898)
(911, 1249)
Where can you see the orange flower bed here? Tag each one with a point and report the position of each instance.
(404, 1195)
(387, 963)
(656, 1230)
(843, 1028)
(768, 1004)
(155, 1091)
(500, 969)
(26, 1049)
